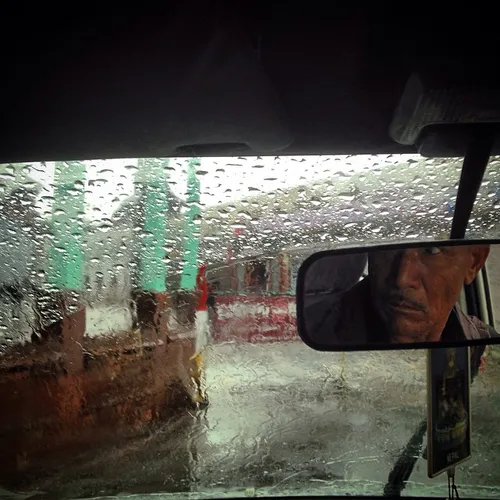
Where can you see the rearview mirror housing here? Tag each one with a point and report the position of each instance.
(392, 296)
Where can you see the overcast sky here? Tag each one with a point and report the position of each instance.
(110, 182)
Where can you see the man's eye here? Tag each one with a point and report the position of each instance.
(432, 250)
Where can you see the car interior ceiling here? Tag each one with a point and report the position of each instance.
(225, 79)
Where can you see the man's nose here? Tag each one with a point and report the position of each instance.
(408, 272)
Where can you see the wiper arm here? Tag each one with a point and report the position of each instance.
(404, 465)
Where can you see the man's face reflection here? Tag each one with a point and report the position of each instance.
(414, 290)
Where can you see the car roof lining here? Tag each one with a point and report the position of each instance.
(114, 85)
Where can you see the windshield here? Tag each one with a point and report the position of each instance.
(148, 339)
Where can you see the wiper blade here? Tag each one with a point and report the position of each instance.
(404, 465)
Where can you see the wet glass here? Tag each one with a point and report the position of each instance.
(127, 368)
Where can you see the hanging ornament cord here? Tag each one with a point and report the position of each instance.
(452, 487)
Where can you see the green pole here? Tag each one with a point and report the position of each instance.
(191, 229)
(152, 263)
(65, 270)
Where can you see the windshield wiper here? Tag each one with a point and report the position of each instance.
(404, 465)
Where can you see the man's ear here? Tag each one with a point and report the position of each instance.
(478, 255)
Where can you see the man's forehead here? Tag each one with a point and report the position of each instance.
(468, 249)
(452, 250)
(459, 249)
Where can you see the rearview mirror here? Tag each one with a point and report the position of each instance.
(390, 296)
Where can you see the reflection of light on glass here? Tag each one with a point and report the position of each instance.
(269, 173)
(110, 183)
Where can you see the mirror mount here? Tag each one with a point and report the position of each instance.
(474, 166)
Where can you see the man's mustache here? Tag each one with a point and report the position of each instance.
(400, 299)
